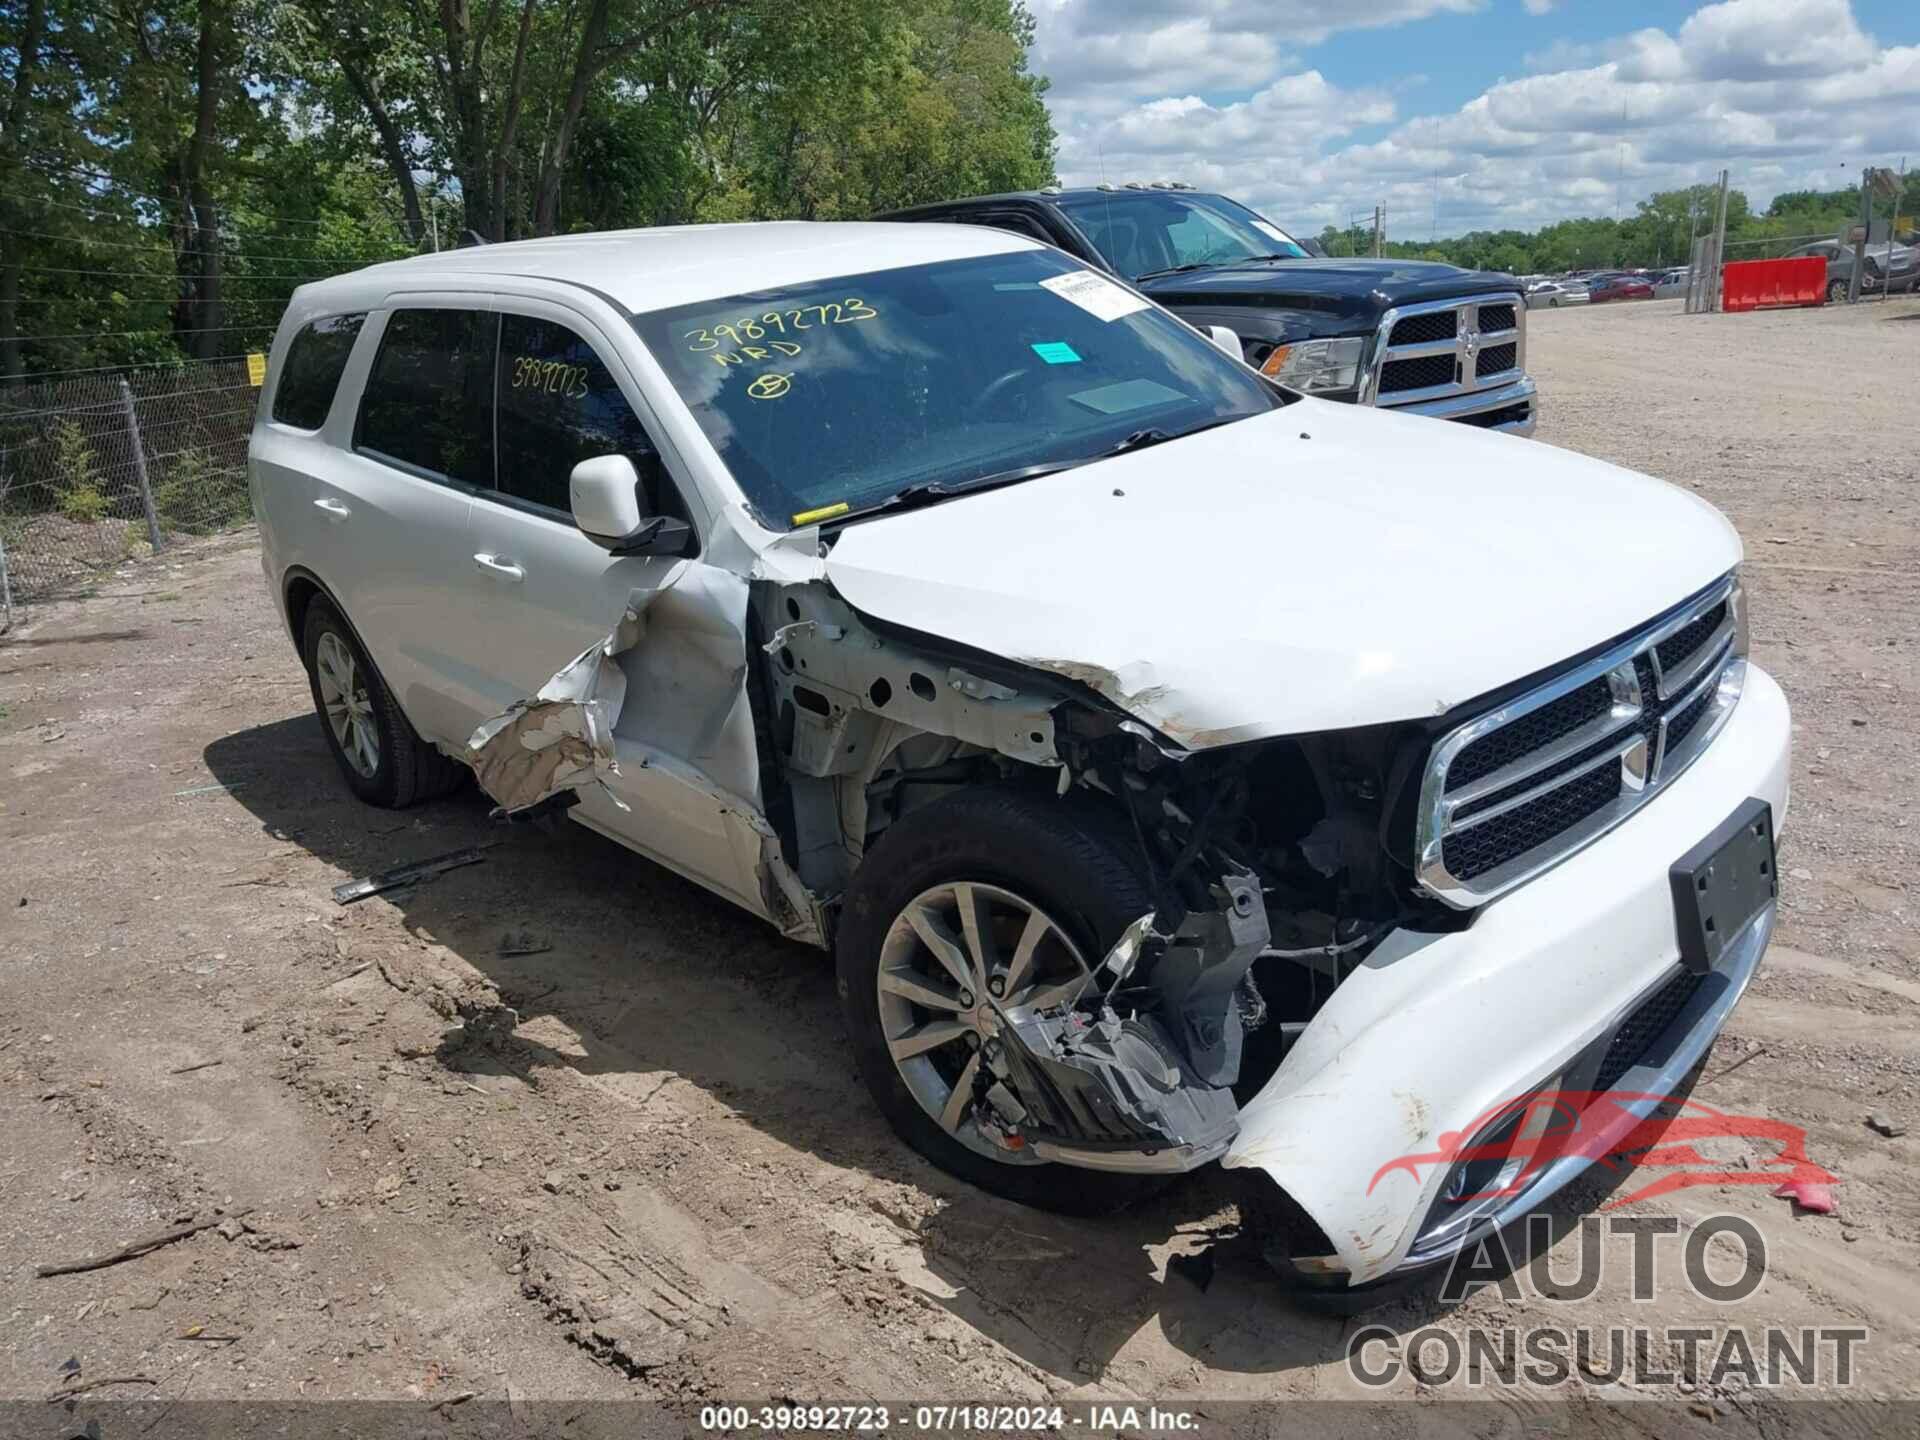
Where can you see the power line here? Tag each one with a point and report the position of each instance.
(113, 405)
(183, 362)
(225, 254)
(150, 330)
(149, 275)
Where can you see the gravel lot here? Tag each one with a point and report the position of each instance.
(669, 1183)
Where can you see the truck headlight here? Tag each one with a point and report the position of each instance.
(1316, 366)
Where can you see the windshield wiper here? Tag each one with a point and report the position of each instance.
(932, 492)
(1141, 439)
(1179, 269)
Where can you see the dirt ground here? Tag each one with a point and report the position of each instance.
(669, 1182)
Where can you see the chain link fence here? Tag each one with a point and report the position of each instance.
(98, 468)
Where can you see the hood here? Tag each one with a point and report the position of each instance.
(1251, 581)
(1356, 292)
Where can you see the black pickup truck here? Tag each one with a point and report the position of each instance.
(1402, 334)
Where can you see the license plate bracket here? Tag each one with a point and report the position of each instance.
(1723, 882)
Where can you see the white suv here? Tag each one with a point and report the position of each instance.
(1181, 769)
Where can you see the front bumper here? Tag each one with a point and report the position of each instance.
(1433, 1031)
(1514, 407)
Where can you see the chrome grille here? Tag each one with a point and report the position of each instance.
(1522, 787)
(1418, 374)
(1425, 329)
(1446, 348)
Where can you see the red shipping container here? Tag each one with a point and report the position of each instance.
(1773, 284)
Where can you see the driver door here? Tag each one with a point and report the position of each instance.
(684, 739)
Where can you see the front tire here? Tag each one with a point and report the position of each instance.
(1836, 292)
(381, 756)
(993, 888)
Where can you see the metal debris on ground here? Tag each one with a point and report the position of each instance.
(1884, 1123)
(408, 874)
(197, 1065)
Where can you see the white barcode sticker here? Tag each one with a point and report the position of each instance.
(1095, 294)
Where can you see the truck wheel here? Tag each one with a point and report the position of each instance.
(988, 894)
(384, 761)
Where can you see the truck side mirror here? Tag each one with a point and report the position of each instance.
(605, 495)
(1226, 340)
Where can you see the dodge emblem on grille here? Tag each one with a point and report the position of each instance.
(1469, 347)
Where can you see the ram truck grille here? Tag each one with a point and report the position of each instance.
(1438, 356)
(1523, 786)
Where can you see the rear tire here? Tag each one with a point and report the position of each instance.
(1058, 857)
(381, 756)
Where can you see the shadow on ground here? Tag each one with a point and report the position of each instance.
(654, 974)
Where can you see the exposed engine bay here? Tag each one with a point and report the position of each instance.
(1273, 867)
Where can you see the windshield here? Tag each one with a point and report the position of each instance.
(1145, 232)
(829, 398)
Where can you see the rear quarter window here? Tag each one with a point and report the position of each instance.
(311, 372)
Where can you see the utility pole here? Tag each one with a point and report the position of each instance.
(1376, 232)
(1719, 247)
(1860, 243)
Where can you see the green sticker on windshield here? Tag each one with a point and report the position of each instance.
(1056, 352)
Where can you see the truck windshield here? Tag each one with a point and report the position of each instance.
(1148, 232)
(828, 399)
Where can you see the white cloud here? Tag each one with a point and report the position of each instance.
(1789, 94)
(1146, 46)
(1538, 7)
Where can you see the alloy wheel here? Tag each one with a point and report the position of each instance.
(348, 706)
(955, 962)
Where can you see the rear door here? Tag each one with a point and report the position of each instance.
(422, 444)
(547, 593)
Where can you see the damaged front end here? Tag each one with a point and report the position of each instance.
(1271, 864)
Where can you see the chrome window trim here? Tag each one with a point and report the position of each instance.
(1643, 775)
(1467, 343)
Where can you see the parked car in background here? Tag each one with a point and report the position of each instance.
(1553, 294)
(1672, 285)
(1406, 335)
(812, 562)
(1894, 268)
(1618, 287)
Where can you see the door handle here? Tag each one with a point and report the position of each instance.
(501, 566)
(336, 509)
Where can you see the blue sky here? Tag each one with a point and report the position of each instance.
(1512, 111)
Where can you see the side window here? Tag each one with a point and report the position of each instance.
(311, 372)
(558, 405)
(427, 402)
(1011, 220)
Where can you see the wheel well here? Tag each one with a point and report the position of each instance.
(301, 593)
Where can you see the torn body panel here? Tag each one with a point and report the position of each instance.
(561, 738)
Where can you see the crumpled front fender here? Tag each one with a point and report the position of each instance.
(1433, 1031)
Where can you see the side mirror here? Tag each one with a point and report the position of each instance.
(605, 496)
(1226, 340)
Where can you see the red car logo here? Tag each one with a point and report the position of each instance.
(1531, 1132)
